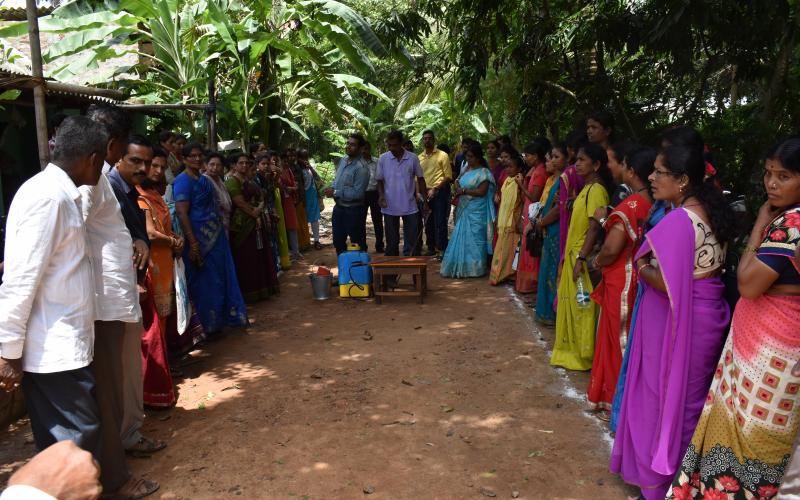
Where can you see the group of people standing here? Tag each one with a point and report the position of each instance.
(121, 256)
(625, 246)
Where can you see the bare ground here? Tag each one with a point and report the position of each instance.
(451, 399)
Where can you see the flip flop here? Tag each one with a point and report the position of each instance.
(135, 488)
(146, 447)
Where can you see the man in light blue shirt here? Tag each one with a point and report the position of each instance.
(400, 179)
(348, 191)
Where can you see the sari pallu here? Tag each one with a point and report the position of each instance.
(746, 433)
(677, 339)
(161, 256)
(571, 185)
(528, 267)
(471, 241)
(250, 246)
(573, 348)
(615, 295)
(213, 287)
(282, 238)
(507, 233)
(547, 287)
(224, 202)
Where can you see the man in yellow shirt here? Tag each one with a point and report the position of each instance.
(438, 174)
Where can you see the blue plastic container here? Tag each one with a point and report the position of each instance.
(355, 275)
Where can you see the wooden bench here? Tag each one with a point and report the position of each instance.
(385, 268)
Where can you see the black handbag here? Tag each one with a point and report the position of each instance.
(533, 242)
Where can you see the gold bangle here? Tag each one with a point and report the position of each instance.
(646, 264)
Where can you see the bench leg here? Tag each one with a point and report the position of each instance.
(377, 285)
(419, 287)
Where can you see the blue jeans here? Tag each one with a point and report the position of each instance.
(411, 232)
(348, 221)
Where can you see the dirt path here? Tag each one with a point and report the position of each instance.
(451, 399)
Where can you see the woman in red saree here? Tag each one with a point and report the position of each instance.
(531, 189)
(616, 293)
(158, 301)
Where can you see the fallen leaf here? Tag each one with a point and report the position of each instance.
(406, 382)
(515, 494)
(446, 409)
(234, 386)
(369, 490)
(535, 454)
(489, 474)
(545, 431)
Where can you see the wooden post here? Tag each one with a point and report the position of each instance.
(211, 115)
(39, 83)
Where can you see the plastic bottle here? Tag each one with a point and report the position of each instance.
(582, 295)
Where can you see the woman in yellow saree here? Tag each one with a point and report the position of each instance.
(575, 323)
(508, 223)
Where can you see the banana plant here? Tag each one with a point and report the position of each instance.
(180, 44)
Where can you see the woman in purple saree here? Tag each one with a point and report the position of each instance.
(680, 326)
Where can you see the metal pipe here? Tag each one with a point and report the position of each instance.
(39, 88)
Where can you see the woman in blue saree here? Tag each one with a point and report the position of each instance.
(471, 243)
(548, 224)
(210, 272)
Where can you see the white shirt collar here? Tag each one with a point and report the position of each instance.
(58, 174)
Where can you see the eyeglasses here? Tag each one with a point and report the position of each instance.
(660, 173)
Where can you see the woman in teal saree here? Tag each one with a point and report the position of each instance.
(471, 243)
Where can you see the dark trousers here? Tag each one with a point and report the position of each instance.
(436, 223)
(108, 371)
(348, 221)
(410, 234)
(371, 204)
(62, 407)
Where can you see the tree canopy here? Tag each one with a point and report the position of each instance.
(312, 70)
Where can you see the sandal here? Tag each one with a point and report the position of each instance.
(146, 447)
(133, 489)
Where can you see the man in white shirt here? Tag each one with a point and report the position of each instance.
(46, 299)
(117, 365)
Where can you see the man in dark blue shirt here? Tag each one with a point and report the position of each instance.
(130, 172)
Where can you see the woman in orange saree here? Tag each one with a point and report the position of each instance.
(159, 300)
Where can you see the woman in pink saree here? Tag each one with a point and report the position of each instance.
(680, 328)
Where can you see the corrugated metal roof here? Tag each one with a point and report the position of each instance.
(20, 81)
(14, 10)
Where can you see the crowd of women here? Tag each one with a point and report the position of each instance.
(625, 247)
(227, 226)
